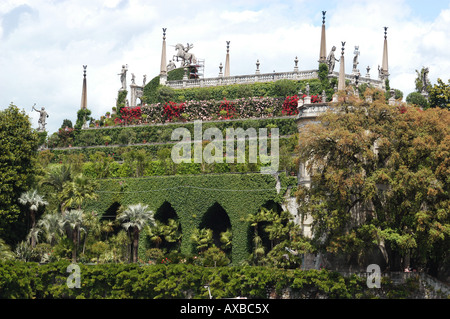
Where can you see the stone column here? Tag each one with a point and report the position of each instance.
(163, 72)
(323, 45)
(227, 60)
(341, 81)
(385, 64)
(84, 90)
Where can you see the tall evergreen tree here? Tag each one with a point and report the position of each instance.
(18, 155)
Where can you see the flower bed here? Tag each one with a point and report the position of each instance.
(208, 110)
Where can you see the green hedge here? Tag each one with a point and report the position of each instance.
(131, 281)
(192, 195)
(280, 88)
(162, 133)
(116, 151)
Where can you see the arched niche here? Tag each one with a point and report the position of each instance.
(216, 219)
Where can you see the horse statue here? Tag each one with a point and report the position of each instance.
(184, 54)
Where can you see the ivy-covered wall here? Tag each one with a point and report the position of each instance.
(191, 197)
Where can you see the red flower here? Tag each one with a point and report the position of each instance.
(290, 105)
(172, 110)
(229, 108)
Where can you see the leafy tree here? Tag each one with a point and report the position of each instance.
(283, 88)
(134, 219)
(83, 116)
(214, 257)
(33, 201)
(78, 190)
(66, 123)
(379, 179)
(417, 99)
(440, 95)
(18, 155)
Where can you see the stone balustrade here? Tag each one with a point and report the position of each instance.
(243, 79)
(265, 77)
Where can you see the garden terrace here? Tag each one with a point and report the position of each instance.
(193, 196)
(161, 133)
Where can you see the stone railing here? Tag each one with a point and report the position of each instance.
(243, 79)
(265, 77)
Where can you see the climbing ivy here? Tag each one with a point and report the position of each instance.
(192, 195)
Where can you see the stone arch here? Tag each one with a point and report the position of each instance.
(276, 207)
(165, 212)
(112, 211)
(216, 218)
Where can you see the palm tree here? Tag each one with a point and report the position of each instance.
(50, 224)
(56, 177)
(226, 239)
(72, 221)
(172, 233)
(203, 238)
(134, 219)
(32, 199)
(75, 192)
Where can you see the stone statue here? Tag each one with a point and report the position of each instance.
(331, 60)
(184, 54)
(145, 80)
(123, 76)
(42, 117)
(355, 59)
(171, 66)
(133, 78)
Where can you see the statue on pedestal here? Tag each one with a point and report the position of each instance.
(425, 81)
(184, 54)
(42, 117)
(331, 60)
(171, 66)
(355, 60)
(123, 77)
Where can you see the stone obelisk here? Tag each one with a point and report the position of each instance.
(385, 64)
(227, 61)
(84, 90)
(163, 72)
(323, 44)
(341, 80)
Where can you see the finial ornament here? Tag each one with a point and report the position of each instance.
(84, 70)
(385, 32)
(323, 17)
(228, 45)
(164, 33)
(343, 44)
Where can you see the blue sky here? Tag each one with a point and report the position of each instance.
(45, 43)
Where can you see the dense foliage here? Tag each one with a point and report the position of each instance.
(134, 281)
(380, 180)
(19, 143)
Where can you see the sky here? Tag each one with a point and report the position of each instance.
(45, 43)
